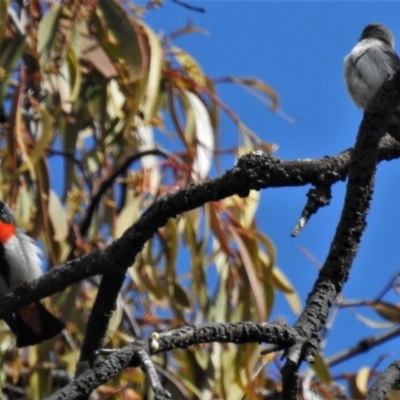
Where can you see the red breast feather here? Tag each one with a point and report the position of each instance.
(6, 232)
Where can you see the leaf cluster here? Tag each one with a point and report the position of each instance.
(102, 117)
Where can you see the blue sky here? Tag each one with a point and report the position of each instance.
(298, 48)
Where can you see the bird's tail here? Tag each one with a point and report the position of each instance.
(33, 324)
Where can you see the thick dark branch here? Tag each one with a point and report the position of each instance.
(390, 379)
(239, 333)
(111, 283)
(97, 325)
(254, 171)
(102, 372)
(290, 375)
(110, 366)
(344, 247)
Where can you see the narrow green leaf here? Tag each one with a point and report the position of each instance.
(151, 102)
(171, 244)
(249, 258)
(58, 218)
(128, 215)
(127, 33)
(43, 142)
(76, 76)
(321, 369)
(47, 35)
(3, 17)
(10, 55)
(388, 311)
(179, 297)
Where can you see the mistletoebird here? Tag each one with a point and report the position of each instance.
(19, 262)
(371, 62)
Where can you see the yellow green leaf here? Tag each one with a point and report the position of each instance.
(115, 319)
(256, 86)
(387, 311)
(128, 215)
(58, 218)
(189, 65)
(294, 302)
(269, 247)
(129, 35)
(251, 270)
(10, 55)
(44, 139)
(47, 35)
(171, 243)
(394, 394)
(91, 52)
(149, 107)
(178, 296)
(75, 74)
(3, 17)
(362, 379)
(215, 224)
(321, 369)
(280, 281)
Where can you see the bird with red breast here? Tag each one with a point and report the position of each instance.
(19, 263)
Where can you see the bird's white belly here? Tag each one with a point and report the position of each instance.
(22, 257)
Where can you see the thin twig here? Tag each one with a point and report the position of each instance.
(189, 6)
(148, 366)
(362, 346)
(110, 179)
(70, 156)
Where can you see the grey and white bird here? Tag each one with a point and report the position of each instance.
(371, 62)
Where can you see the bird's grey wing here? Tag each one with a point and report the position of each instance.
(383, 58)
(391, 57)
(366, 68)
